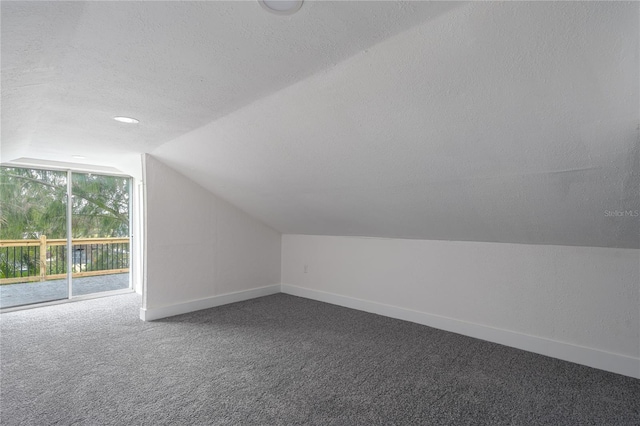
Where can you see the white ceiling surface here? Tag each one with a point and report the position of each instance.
(507, 122)
(69, 67)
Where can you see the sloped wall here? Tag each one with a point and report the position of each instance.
(511, 122)
(200, 250)
(580, 304)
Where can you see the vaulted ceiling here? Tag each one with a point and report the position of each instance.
(509, 122)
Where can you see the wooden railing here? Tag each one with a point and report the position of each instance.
(46, 259)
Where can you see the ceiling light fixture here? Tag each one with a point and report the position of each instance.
(127, 120)
(78, 157)
(281, 7)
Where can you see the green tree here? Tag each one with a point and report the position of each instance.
(100, 206)
(33, 203)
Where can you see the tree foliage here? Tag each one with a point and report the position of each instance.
(100, 206)
(33, 203)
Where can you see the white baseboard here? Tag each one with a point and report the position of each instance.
(607, 361)
(151, 314)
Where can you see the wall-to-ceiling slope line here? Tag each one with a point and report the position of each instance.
(494, 122)
(69, 67)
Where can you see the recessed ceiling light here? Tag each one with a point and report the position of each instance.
(281, 7)
(78, 157)
(127, 120)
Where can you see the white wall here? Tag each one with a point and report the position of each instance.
(575, 303)
(200, 250)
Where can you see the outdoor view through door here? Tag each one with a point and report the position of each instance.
(35, 228)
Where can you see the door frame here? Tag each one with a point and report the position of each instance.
(133, 253)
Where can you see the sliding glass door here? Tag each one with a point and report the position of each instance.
(33, 234)
(100, 230)
(38, 228)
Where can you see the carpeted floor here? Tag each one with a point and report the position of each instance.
(283, 360)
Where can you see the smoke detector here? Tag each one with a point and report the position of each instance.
(281, 7)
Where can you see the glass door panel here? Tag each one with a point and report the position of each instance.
(33, 235)
(100, 233)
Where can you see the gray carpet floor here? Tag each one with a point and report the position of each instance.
(283, 360)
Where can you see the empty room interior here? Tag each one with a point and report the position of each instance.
(290, 212)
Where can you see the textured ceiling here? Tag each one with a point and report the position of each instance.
(69, 67)
(509, 122)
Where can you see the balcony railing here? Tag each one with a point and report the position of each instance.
(43, 259)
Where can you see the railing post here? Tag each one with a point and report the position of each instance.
(43, 257)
